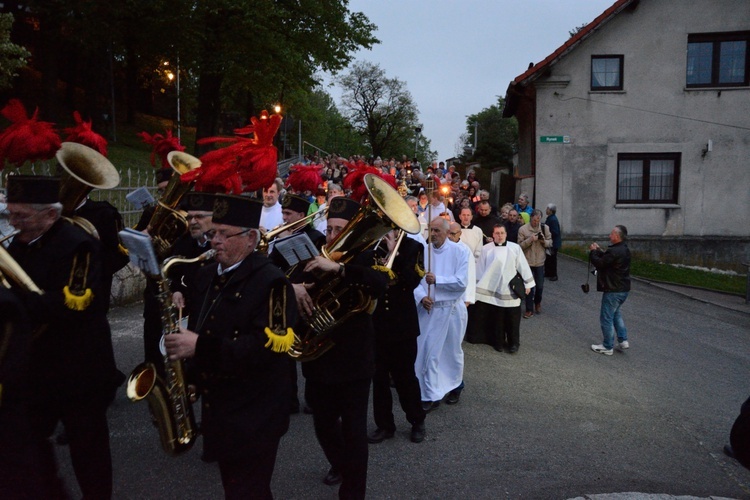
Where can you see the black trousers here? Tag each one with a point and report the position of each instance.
(250, 477)
(550, 264)
(494, 325)
(340, 420)
(396, 359)
(85, 423)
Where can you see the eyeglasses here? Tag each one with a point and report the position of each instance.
(213, 234)
(196, 217)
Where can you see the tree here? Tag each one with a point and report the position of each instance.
(497, 137)
(12, 57)
(381, 110)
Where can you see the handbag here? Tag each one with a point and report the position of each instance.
(518, 286)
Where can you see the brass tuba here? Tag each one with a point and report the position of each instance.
(383, 210)
(167, 224)
(82, 169)
(167, 397)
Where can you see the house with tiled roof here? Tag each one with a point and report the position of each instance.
(642, 118)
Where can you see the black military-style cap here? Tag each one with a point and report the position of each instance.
(239, 211)
(295, 203)
(198, 202)
(33, 189)
(342, 207)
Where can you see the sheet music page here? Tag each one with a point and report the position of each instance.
(140, 250)
(295, 248)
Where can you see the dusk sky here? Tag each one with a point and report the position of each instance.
(457, 56)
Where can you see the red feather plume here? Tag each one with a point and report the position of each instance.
(305, 177)
(83, 134)
(162, 146)
(246, 164)
(355, 179)
(26, 139)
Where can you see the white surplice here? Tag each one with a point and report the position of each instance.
(440, 359)
(498, 265)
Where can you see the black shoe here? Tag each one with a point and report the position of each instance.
(307, 410)
(379, 435)
(553, 278)
(513, 349)
(728, 451)
(428, 406)
(417, 433)
(294, 408)
(333, 477)
(453, 397)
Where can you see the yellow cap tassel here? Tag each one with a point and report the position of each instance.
(121, 248)
(280, 343)
(383, 269)
(78, 302)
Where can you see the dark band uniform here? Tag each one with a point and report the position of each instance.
(18, 478)
(338, 383)
(296, 275)
(73, 373)
(243, 384)
(182, 276)
(396, 331)
(108, 222)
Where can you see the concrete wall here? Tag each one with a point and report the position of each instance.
(653, 113)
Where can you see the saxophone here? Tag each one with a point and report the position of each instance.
(167, 397)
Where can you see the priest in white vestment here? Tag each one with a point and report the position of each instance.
(442, 317)
(496, 315)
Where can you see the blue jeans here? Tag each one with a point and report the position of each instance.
(535, 295)
(611, 319)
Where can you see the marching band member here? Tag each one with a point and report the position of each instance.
(73, 373)
(236, 341)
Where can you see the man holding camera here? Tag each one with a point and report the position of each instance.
(612, 278)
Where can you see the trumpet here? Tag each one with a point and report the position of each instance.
(292, 227)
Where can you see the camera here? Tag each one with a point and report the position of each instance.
(585, 288)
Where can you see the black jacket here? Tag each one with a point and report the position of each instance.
(244, 385)
(395, 317)
(71, 354)
(613, 268)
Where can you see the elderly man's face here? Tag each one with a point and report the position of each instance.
(454, 233)
(30, 223)
(334, 227)
(413, 205)
(198, 223)
(535, 220)
(522, 202)
(513, 216)
(271, 195)
(232, 244)
(438, 233)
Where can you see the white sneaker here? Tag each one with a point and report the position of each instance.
(624, 344)
(601, 349)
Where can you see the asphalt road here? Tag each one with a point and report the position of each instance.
(554, 421)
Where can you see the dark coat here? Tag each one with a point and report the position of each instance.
(182, 276)
(353, 355)
(486, 224)
(554, 229)
(395, 317)
(71, 354)
(244, 385)
(613, 268)
(108, 222)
